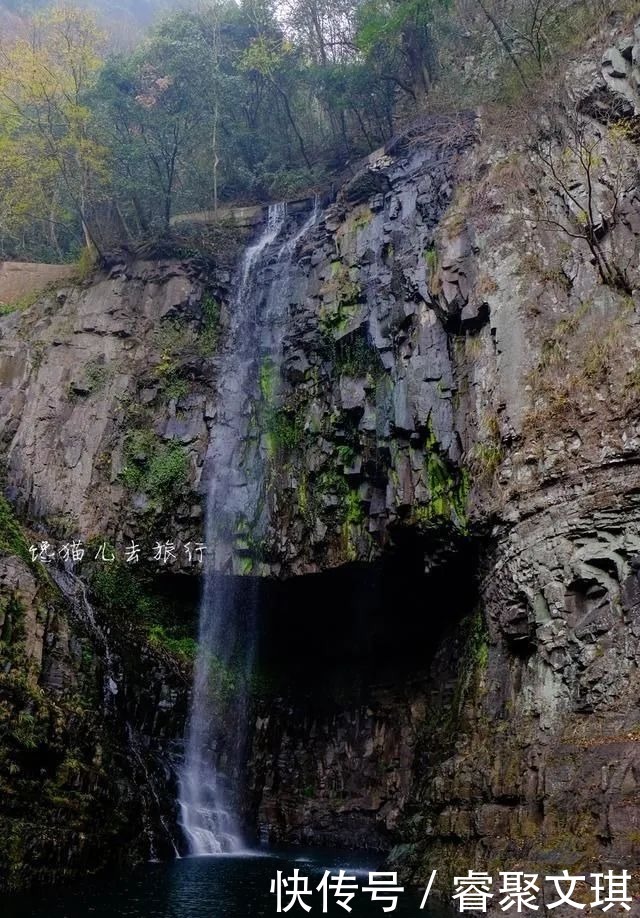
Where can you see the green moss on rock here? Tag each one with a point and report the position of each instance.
(156, 468)
(12, 539)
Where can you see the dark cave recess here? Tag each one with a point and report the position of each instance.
(352, 627)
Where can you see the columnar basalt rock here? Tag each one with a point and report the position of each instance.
(621, 70)
(533, 355)
(459, 373)
(364, 435)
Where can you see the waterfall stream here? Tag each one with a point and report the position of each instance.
(215, 742)
(73, 587)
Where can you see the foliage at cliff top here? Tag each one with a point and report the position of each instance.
(232, 101)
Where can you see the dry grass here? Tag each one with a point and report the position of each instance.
(582, 365)
(485, 285)
(510, 109)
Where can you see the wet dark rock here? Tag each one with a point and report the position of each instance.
(457, 388)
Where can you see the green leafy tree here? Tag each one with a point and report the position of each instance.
(397, 41)
(50, 160)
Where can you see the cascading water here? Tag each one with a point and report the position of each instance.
(216, 733)
(71, 586)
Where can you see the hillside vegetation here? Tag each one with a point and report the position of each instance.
(242, 102)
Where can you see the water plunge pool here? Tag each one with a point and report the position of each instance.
(232, 886)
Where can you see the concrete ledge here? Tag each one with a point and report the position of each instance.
(22, 278)
(248, 217)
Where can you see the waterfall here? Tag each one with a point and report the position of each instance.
(216, 737)
(74, 589)
(71, 586)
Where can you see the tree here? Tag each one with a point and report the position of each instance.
(151, 109)
(274, 60)
(396, 39)
(49, 149)
(324, 29)
(237, 100)
(504, 42)
(524, 29)
(591, 174)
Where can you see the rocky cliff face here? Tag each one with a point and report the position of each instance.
(459, 394)
(86, 722)
(106, 387)
(462, 363)
(549, 408)
(344, 699)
